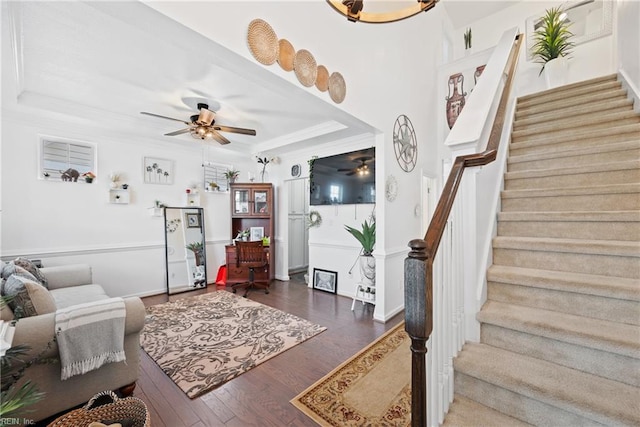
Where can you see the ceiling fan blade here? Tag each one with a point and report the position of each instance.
(345, 170)
(351, 173)
(235, 130)
(221, 139)
(164, 117)
(178, 132)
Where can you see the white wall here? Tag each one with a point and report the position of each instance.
(62, 223)
(628, 39)
(591, 59)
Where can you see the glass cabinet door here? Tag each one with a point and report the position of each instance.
(241, 202)
(261, 205)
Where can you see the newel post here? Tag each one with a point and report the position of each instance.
(418, 323)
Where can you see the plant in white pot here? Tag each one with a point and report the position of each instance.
(367, 238)
(552, 46)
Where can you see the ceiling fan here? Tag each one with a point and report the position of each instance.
(203, 126)
(361, 169)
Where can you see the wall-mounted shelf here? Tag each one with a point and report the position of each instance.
(192, 199)
(119, 196)
(156, 211)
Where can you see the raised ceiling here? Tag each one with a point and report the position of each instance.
(100, 64)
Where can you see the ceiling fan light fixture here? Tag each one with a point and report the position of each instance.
(201, 130)
(356, 11)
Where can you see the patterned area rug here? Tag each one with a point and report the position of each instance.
(373, 388)
(203, 341)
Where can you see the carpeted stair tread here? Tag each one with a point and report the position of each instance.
(526, 119)
(574, 170)
(592, 284)
(572, 216)
(589, 121)
(589, 332)
(569, 155)
(465, 412)
(599, 247)
(598, 137)
(571, 100)
(608, 79)
(567, 92)
(566, 128)
(573, 191)
(602, 400)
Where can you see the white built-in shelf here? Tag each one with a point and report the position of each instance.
(119, 196)
(192, 199)
(156, 211)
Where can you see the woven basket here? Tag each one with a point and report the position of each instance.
(115, 410)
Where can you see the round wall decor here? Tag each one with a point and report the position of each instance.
(263, 42)
(322, 81)
(295, 171)
(337, 87)
(286, 54)
(314, 219)
(391, 188)
(405, 144)
(305, 67)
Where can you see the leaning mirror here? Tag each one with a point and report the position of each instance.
(185, 249)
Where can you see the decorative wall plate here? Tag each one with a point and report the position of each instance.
(286, 54)
(263, 42)
(337, 87)
(405, 144)
(305, 67)
(295, 171)
(391, 188)
(322, 81)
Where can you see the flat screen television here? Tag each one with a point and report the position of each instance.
(343, 179)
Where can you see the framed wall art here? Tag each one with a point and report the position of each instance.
(256, 233)
(325, 280)
(157, 171)
(193, 220)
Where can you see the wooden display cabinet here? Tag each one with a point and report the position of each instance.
(251, 207)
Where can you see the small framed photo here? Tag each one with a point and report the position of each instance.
(325, 280)
(157, 171)
(193, 220)
(256, 233)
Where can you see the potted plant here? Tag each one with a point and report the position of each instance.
(552, 46)
(196, 248)
(89, 177)
(231, 175)
(367, 238)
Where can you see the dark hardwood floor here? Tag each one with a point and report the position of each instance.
(260, 397)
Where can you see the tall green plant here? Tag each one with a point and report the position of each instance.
(553, 38)
(366, 237)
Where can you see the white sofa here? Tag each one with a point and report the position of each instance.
(70, 285)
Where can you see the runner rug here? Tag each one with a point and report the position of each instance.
(203, 341)
(373, 388)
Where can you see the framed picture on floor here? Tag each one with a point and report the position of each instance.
(325, 280)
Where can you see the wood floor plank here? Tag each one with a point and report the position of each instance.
(261, 396)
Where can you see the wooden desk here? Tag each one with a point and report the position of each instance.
(237, 274)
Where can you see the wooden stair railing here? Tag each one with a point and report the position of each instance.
(418, 266)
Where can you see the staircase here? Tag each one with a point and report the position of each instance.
(560, 331)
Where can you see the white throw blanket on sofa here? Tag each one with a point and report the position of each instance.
(90, 335)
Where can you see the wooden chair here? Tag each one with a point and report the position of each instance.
(251, 255)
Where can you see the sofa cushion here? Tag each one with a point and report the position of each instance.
(27, 296)
(5, 312)
(66, 297)
(28, 265)
(41, 298)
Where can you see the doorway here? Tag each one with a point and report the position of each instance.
(298, 212)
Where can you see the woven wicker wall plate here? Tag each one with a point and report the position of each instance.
(286, 54)
(263, 42)
(322, 81)
(337, 87)
(305, 67)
